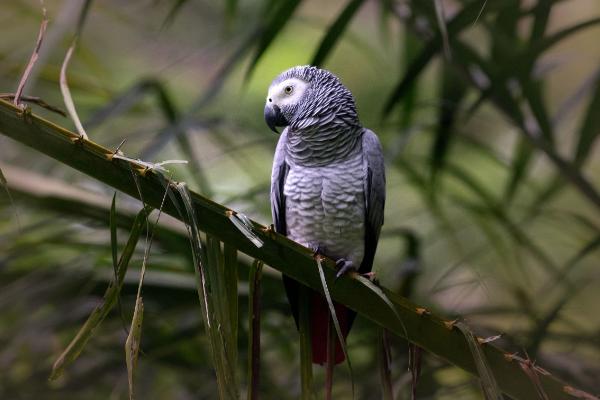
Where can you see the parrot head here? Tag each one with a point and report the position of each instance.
(306, 96)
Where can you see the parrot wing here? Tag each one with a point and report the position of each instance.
(278, 177)
(374, 186)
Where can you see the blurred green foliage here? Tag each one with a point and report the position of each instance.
(492, 211)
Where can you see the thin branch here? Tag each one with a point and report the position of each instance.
(34, 100)
(32, 59)
(64, 88)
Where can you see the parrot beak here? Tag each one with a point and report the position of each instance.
(274, 117)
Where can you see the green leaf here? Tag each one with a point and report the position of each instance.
(4, 184)
(223, 297)
(212, 298)
(540, 329)
(414, 365)
(488, 381)
(521, 159)
(410, 76)
(441, 20)
(131, 96)
(132, 344)
(463, 19)
(590, 127)
(242, 223)
(385, 361)
(280, 16)
(336, 323)
(549, 41)
(335, 31)
(541, 15)
(532, 92)
(3, 180)
(109, 300)
(505, 39)
(505, 102)
(169, 110)
(496, 210)
(230, 280)
(550, 189)
(306, 372)
(231, 7)
(254, 313)
(172, 115)
(175, 8)
(83, 17)
(589, 248)
(452, 93)
(113, 234)
(410, 46)
(377, 290)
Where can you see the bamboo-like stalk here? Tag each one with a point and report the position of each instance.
(419, 326)
(254, 300)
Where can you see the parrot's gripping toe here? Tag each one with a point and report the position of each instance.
(317, 251)
(344, 266)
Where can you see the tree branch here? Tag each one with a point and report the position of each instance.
(425, 329)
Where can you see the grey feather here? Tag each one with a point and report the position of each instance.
(278, 177)
(374, 195)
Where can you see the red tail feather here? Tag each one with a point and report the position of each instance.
(319, 322)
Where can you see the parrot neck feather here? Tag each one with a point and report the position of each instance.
(318, 145)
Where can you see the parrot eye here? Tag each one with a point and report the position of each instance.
(288, 89)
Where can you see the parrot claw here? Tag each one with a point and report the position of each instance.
(269, 230)
(316, 250)
(370, 276)
(344, 266)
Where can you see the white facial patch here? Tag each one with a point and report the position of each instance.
(287, 92)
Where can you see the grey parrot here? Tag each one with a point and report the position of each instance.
(327, 184)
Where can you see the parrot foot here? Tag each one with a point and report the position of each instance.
(269, 230)
(344, 266)
(370, 276)
(316, 250)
